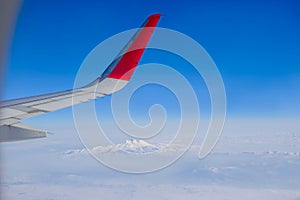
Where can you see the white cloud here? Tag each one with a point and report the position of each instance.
(254, 164)
(146, 192)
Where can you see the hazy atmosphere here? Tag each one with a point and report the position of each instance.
(254, 44)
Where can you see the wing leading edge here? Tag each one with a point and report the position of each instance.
(114, 78)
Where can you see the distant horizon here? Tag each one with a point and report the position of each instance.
(86, 154)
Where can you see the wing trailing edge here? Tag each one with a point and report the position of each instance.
(20, 131)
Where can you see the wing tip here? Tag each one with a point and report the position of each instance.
(152, 20)
(155, 15)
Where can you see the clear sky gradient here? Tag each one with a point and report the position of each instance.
(255, 44)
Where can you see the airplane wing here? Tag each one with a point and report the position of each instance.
(114, 78)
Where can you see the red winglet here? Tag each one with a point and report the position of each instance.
(130, 59)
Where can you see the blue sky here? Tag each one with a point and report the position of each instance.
(256, 46)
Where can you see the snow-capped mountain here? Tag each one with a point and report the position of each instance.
(130, 146)
(135, 146)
